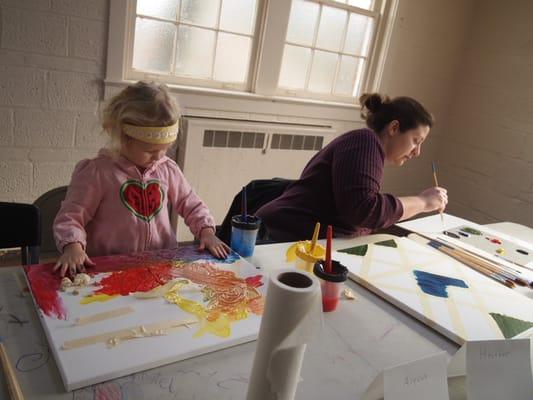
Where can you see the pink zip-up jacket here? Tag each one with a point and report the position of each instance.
(113, 208)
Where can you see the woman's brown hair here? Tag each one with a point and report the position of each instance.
(378, 111)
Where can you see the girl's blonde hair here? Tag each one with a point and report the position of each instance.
(140, 104)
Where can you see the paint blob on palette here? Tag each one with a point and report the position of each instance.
(492, 244)
(144, 310)
(441, 292)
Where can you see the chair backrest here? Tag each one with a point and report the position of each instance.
(49, 203)
(21, 227)
(258, 193)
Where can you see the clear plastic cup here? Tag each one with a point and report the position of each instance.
(244, 234)
(331, 283)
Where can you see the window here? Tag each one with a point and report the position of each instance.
(329, 50)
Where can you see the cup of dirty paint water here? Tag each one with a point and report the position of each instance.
(244, 234)
(331, 283)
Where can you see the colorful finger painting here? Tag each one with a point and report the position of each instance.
(441, 292)
(436, 285)
(223, 299)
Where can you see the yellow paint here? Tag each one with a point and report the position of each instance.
(97, 297)
(211, 320)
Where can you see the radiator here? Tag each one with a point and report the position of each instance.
(219, 156)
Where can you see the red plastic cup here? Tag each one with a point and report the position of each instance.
(331, 283)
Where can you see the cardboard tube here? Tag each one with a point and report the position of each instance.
(292, 312)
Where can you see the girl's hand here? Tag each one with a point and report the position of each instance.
(435, 198)
(73, 259)
(209, 241)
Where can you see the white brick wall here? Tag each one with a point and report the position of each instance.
(52, 64)
(487, 157)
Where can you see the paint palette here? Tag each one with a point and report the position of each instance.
(492, 243)
(145, 310)
(439, 291)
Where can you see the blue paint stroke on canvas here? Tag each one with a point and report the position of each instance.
(186, 253)
(436, 285)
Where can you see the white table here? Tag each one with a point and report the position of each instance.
(357, 341)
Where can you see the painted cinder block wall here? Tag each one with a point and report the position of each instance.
(52, 61)
(486, 154)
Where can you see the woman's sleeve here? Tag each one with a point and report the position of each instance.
(357, 171)
(81, 202)
(188, 205)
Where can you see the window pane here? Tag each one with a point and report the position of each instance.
(200, 12)
(167, 9)
(366, 4)
(359, 78)
(232, 58)
(194, 52)
(322, 72)
(238, 16)
(294, 67)
(302, 22)
(359, 35)
(332, 25)
(153, 45)
(346, 76)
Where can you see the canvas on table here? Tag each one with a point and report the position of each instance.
(443, 293)
(144, 310)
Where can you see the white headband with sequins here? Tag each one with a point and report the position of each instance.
(152, 134)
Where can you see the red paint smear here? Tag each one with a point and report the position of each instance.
(108, 391)
(254, 281)
(140, 279)
(45, 285)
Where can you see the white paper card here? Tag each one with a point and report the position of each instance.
(421, 379)
(499, 369)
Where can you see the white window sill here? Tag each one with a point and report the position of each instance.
(227, 101)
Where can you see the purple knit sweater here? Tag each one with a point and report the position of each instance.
(340, 187)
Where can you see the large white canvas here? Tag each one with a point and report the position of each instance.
(95, 363)
(463, 315)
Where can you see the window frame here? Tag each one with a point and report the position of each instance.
(271, 24)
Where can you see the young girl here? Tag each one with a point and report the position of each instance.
(340, 186)
(120, 201)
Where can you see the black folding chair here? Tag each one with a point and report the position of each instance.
(21, 227)
(49, 204)
(258, 192)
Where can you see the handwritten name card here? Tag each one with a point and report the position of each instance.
(499, 369)
(420, 379)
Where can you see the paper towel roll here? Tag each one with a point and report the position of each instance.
(292, 310)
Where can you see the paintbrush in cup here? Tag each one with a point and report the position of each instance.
(329, 238)
(314, 239)
(244, 201)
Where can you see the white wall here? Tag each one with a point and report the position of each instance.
(424, 57)
(52, 61)
(487, 157)
(52, 58)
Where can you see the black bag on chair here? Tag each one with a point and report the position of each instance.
(258, 193)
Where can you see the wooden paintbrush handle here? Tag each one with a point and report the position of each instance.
(487, 272)
(15, 392)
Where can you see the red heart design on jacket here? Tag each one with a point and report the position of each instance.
(144, 200)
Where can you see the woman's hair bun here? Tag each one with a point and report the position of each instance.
(372, 101)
